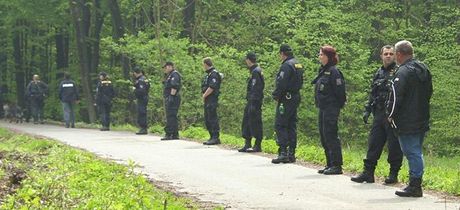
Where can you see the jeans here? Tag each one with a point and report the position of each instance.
(69, 116)
(411, 146)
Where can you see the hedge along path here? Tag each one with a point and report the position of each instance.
(236, 180)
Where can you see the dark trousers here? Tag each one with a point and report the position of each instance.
(36, 106)
(211, 119)
(328, 130)
(380, 133)
(286, 122)
(172, 104)
(104, 112)
(142, 113)
(252, 120)
(69, 113)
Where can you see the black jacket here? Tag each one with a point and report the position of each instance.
(409, 104)
(289, 79)
(68, 91)
(141, 88)
(380, 88)
(212, 80)
(256, 84)
(173, 81)
(104, 92)
(37, 89)
(329, 88)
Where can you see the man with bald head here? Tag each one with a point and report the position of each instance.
(36, 93)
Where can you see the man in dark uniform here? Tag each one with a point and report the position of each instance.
(210, 88)
(36, 92)
(252, 119)
(330, 97)
(141, 91)
(68, 94)
(104, 96)
(409, 112)
(172, 86)
(289, 80)
(381, 130)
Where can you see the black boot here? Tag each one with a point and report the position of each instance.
(142, 131)
(366, 176)
(320, 171)
(104, 128)
(392, 177)
(414, 189)
(212, 142)
(333, 170)
(257, 146)
(291, 154)
(247, 145)
(282, 157)
(167, 137)
(175, 136)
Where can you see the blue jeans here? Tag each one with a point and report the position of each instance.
(69, 116)
(411, 146)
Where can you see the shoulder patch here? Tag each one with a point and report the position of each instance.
(338, 82)
(298, 66)
(327, 72)
(106, 82)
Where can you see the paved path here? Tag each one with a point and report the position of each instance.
(235, 180)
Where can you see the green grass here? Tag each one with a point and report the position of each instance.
(61, 177)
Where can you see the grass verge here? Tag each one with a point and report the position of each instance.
(43, 174)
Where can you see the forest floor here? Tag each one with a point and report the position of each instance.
(233, 180)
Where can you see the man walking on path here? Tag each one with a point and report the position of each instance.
(68, 94)
(36, 94)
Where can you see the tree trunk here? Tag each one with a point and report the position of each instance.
(118, 32)
(96, 36)
(79, 17)
(189, 19)
(19, 65)
(62, 49)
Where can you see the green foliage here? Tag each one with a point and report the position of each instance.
(60, 177)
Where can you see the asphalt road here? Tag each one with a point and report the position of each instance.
(235, 180)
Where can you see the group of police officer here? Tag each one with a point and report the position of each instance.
(399, 102)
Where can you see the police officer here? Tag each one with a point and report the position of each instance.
(141, 91)
(329, 98)
(210, 88)
(289, 80)
(104, 96)
(381, 130)
(172, 86)
(409, 112)
(68, 94)
(252, 119)
(36, 93)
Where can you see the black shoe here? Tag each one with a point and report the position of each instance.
(282, 157)
(212, 142)
(247, 145)
(366, 176)
(72, 126)
(167, 137)
(256, 148)
(392, 178)
(66, 126)
(142, 131)
(320, 171)
(291, 155)
(104, 129)
(174, 137)
(414, 189)
(333, 170)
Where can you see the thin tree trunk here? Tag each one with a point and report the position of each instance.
(18, 61)
(119, 30)
(78, 11)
